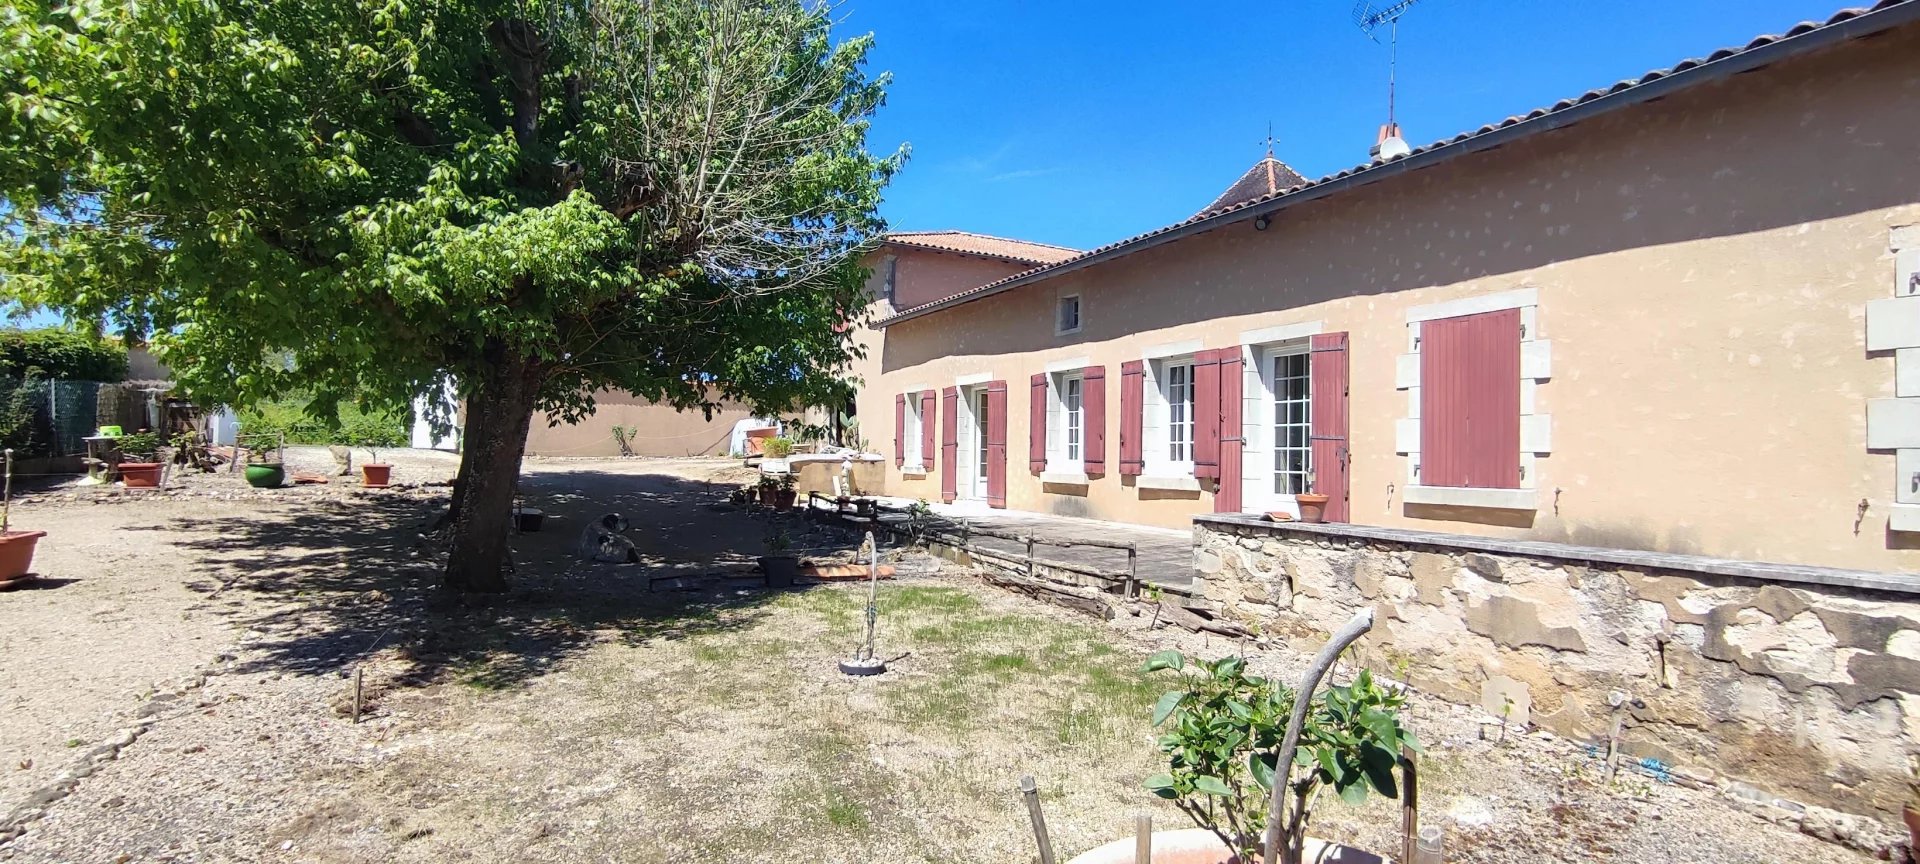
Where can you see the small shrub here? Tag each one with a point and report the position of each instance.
(778, 448)
(139, 446)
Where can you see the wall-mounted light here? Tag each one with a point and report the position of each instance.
(1261, 222)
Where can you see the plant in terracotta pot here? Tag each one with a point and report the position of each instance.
(16, 547)
(784, 493)
(372, 433)
(140, 464)
(767, 488)
(1223, 732)
(1313, 505)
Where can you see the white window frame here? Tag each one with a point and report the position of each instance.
(1079, 315)
(1257, 349)
(1269, 358)
(1536, 429)
(1061, 458)
(1159, 434)
(914, 430)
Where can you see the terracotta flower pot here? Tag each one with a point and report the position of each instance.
(1313, 506)
(783, 499)
(376, 474)
(1199, 846)
(16, 553)
(140, 475)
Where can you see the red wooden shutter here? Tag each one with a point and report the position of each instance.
(1470, 401)
(1037, 424)
(1206, 414)
(927, 415)
(899, 430)
(1093, 419)
(1133, 374)
(1226, 494)
(997, 444)
(1327, 385)
(950, 444)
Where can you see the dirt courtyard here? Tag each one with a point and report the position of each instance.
(180, 689)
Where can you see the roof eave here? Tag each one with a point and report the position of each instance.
(1865, 24)
(927, 247)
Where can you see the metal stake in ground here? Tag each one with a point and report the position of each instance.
(865, 661)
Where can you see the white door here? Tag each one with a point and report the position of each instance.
(969, 440)
(1290, 427)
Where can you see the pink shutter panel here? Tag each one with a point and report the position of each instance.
(997, 444)
(1037, 424)
(927, 415)
(1327, 390)
(899, 430)
(1226, 494)
(1093, 418)
(1470, 401)
(1133, 374)
(1206, 414)
(950, 444)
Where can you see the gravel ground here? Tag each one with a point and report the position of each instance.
(196, 645)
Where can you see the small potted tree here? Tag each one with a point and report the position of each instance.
(140, 464)
(373, 433)
(16, 547)
(784, 493)
(1313, 505)
(1223, 734)
(767, 487)
(780, 564)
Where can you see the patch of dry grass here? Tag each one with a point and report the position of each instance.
(732, 736)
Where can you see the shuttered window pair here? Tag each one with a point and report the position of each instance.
(913, 431)
(1067, 422)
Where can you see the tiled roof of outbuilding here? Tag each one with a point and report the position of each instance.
(1266, 177)
(981, 244)
(1847, 23)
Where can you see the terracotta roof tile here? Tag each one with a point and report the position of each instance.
(1266, 177)
(1224, 214)
(981, 244)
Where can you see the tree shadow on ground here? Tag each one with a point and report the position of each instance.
(331, 582)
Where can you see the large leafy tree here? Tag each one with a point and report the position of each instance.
(532, 199)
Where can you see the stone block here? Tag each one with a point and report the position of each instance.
(1515, 623)
(1432, 576)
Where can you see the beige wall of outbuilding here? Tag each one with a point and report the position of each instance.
(1702, 266)
(660, 430)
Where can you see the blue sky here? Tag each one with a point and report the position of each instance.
(1080, 123)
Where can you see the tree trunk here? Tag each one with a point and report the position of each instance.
(499, 411)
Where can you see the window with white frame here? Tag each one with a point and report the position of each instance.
(1067, 315)
(915, 461)
(1292, 420)
(1066, 423)
(1170, 439)
(890, 270)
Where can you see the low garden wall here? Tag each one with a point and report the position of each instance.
(1797, 682)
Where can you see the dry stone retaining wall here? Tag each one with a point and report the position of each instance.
(1803, 682)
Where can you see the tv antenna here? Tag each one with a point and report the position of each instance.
(1368, 18)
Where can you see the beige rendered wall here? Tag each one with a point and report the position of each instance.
(661, 430)
(1702, 265)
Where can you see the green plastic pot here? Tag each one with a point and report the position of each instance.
(266, 475)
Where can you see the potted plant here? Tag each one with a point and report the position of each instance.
(140, 463)
(16, 547)
(266, 466)
(767, 488)
(784, 493)
(1223, 735)
(780, 564)
(373, 432)
(1313, 505)
(777, 448)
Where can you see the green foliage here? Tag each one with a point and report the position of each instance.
(777, 448)
(299, 418)
(25, 425)
(1223, 733)
(60, 354)
(138, 446)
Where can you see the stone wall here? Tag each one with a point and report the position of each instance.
(1801, 681)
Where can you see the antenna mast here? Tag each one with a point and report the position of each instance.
(1368, 18)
